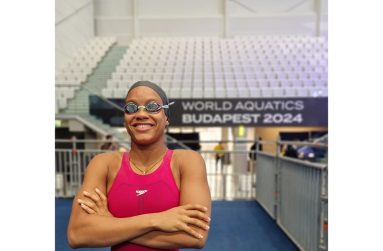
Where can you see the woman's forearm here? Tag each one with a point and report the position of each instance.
(163, 240)
(100, 231)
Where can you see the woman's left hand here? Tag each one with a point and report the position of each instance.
(95, 203)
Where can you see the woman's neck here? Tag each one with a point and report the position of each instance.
(146, 154)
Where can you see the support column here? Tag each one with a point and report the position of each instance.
(225, 136)
(240, 159)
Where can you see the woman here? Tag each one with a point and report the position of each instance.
(156, 198)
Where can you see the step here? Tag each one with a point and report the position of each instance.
(96, 82)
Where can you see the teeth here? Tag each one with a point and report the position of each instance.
(142, 126)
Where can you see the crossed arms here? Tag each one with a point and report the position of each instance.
(91, 224)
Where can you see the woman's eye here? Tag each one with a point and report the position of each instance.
(152, 107)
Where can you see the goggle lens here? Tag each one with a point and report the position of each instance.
(150, 107)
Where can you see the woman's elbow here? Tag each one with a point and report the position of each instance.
(72, 239)
(201, 243)
(198, 243)
(76, 237)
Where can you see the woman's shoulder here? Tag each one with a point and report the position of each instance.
(186, 158)
(107, 159)
(186, 153)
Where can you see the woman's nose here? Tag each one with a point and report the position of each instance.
(142, 113)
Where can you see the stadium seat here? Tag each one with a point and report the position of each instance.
(289, 65)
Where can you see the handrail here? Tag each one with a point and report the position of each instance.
(307, 163)
(175, 141)
(88, 141)
(82, 120)
(181, 142)
(103, 98)
(303, 143)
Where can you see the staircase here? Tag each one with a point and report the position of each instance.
(78, 107)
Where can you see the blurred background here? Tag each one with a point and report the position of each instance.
(249, 82)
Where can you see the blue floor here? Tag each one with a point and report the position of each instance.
(239, 225)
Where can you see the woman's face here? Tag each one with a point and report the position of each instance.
(142, 126)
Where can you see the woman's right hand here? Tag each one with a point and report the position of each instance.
(95, 203)
(179, 219)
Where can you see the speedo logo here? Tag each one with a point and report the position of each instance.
(140, 192)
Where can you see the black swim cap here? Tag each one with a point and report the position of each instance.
(155, 88)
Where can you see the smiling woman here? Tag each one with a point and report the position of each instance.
(150, 198)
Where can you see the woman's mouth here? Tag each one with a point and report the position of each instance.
(142, 127)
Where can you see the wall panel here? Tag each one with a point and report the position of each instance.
(74, 26)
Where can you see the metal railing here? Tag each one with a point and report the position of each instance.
(294, 193)
(225, 182)
(70, 169)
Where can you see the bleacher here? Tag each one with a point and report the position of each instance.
(240, 67)
(75, 72)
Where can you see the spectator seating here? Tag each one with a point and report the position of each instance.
(247, 66)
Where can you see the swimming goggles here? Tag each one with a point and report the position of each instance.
(151, 107)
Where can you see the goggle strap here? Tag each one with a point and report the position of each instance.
(167, 106)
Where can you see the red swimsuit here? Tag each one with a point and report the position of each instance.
(132, 194)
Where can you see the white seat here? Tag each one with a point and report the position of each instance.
(243, 92)
(290, 92)
(110, 83)
(274, 83)
(197, 93)
(252, 83)
(309, 83)
(186, 93)
(235, 64)
(124, 84)
(255, 93)
(175, 93)
(229, 76)
(266, 92)
(208, 93)
(241, 83)
(119, 92)
(220, 92)
(68, 92)
(208, 76)
(219, 83)
(62, 103)
(263, 83)
(302, 92)
(297, 83)
(323, 91)
(107, 93)
(321, 83)
(318, 92)
(231, 92)
(231, 84)
(278, 92)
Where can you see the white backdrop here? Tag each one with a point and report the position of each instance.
(74, 26)
(132, 18)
